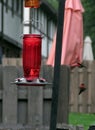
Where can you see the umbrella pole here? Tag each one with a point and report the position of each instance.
(56, 79)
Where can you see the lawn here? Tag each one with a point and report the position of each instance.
(82, 119)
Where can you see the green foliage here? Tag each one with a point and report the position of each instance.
(89, 17)
(82, 119)
(54, 3)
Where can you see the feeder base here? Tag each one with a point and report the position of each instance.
(34, 82)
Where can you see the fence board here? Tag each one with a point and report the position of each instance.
(35, 105)
(80, 104)
(32, 105)
(47, 73)
(75, 90)
(1, 88)
(71, 92)
(9, 95)
(22, 111)
(1, 77)
(47, 94)
(89, 85)
(92, 86)
(85, 93)
(12, 61)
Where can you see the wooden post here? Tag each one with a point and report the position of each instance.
(63, 100)
(35, 106)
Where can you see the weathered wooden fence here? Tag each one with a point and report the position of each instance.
(22, 105)
(78, 103)
(32, 105)
(86, 101)
(27, 105)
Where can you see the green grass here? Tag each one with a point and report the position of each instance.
(82, 119)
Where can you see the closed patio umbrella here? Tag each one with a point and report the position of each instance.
(72, 43)
(87, 50)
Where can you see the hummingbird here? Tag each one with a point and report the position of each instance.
(82, 88)
(81, 65)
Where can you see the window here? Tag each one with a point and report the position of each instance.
(17, 5)
(12, 7)
(6, 5)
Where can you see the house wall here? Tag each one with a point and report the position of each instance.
(12, 23)
(0, 17)
(44, 25)
(11, 15)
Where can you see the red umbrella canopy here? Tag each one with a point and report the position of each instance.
(72, 43)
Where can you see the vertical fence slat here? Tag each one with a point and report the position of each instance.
(85, 93)
(35, 105)
(83, 78)
(71, 92)
(12, 62)
(80, 105)
(1, 77)
(4, 62)
(47, 73)
(9, 95)
(89, 86)
(75, 90)
(1, 89)
(47, 93)
(92, 86)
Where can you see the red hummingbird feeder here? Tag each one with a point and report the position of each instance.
(31, 61)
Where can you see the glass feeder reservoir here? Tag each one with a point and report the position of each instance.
(31, 56)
